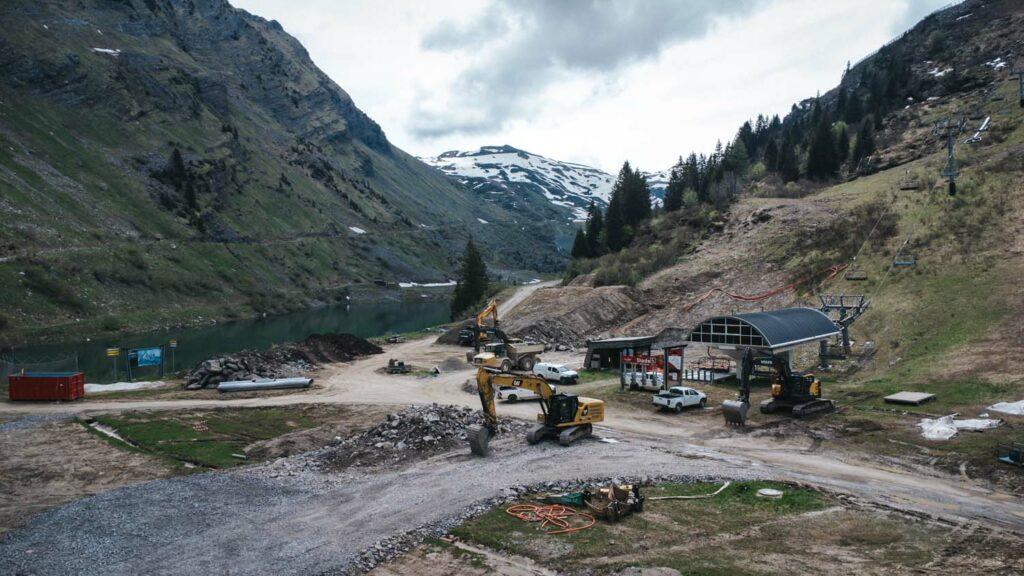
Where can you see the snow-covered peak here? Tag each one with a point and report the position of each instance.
(508, 170)
(493, 169)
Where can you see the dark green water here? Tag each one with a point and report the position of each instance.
(196, 344)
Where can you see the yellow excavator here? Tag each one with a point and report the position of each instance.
(566, 417)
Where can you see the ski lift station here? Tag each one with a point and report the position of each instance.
(775, 333)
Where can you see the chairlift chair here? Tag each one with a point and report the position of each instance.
(904, 259)
(909, 182)
(856, 273)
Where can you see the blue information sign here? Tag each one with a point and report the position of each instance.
(149, 356)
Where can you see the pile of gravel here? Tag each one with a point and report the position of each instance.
(280, 360)
(418, 430)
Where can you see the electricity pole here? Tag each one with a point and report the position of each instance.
(950, 129)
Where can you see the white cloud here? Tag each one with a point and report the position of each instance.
(412, 65)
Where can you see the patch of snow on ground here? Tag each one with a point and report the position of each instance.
(1015, 408)
(111, 51)
(996, 64)
(123, 386)
(482, 221)
(936, 72)
(426, 285)
(356, 230)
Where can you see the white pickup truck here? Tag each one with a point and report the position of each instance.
(555, 373)
(678, 397)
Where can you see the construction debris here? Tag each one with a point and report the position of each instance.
(946, 427)
(432, 428)
(279, 361)
(693, 496)
(912, 398)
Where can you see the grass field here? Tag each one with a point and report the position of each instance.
(734, 533)
(211, 439)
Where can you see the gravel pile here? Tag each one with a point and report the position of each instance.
(418, 430)
(280, 360)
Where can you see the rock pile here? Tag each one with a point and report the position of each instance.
(418, 429)
(280, 360)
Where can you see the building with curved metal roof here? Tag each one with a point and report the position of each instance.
(773, 332)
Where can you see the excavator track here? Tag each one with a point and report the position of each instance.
(573, 433)
(813, 407)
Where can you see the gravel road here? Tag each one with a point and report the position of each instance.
(250, 522)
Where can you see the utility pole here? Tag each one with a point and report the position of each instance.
(1019, 72)
(950, 128)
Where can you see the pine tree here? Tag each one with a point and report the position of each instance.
(822, 162)
(674, 191)
(638, 200)
(614, 222)
(789, 164)
(843, 144)
(580, 247)
(472, 282)
(865, 145)
(595, 228)
(771, 156)
(736, 159)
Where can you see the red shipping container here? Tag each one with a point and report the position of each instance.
(46, 386)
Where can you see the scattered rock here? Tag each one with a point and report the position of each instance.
(280, 360)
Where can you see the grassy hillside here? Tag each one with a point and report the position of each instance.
(163, 160)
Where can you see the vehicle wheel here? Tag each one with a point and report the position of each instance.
(513, 398)
(703, 403)
(526, 363)
(679, 408)
(612, 514)
(506, 365)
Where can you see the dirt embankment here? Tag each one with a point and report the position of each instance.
(746, 258)
(571, 314)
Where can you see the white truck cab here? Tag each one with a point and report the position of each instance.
(555, 373)
(678, 397)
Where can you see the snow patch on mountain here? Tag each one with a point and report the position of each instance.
(497, 170)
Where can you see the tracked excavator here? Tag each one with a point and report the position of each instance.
(565, 417)
(796, 392)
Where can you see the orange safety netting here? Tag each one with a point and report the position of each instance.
(832, 272)
(561, 518)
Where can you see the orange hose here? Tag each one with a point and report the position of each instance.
(833, 270)
(558, 516)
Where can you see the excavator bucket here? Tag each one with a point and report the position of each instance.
(479, 440)
(735, 412)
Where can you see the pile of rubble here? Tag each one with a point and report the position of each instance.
(417, 429)
(280, 360)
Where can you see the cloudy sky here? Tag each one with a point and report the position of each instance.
(590, 81)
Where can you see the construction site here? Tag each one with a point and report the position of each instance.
(818, 378)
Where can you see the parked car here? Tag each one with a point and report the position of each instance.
(678, 397)
(556, 373)
(515, 393)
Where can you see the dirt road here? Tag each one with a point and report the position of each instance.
(249, 522)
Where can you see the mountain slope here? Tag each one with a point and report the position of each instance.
(160, 158)
(517, 178)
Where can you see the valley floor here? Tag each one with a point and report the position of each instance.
(265, 518)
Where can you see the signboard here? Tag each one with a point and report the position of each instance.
(113, 352)
(173, 344)
(147, 356)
